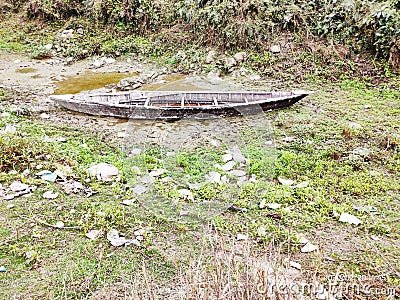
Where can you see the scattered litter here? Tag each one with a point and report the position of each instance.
(228, 166)
(308, 248)
(213, 177)
(18, 186)
(59, 225)
(50, 195)
(128, 202)
(227, 157)
(26, 172)
(3, 269)
(237, 173)
(264, 204)
(103, 171)
(139, 189)
(348, 218)
(10, 206)
(186, 194)
(286, 182)
(241, 237)
(295, 265)
(94, 234)
(157, 172)
(51, 177)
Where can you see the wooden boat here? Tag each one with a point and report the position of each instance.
(177, 104)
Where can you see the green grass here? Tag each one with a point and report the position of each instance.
(44, 262)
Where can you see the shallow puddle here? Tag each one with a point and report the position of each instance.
(26, 70)
(88, 81)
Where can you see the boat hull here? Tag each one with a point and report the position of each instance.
(178, 112)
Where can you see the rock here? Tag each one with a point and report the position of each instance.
(71, 186)
(354, 125)
(5, 114)
(237, 173)
(109, 60)
(139, 189)
(295, 265)
(211, 56)
(308, 248)
(50, 195)
(103, 171)
(227, 157)
(10, 129)
(302, 185)
(80, 31)
(347, 218)
(286, 182)
(69, 60)
(115, 239)
(241, 237)
(48, 47)
(240, 56)
(275, 49)
(97, 63)
(18, 186)
(302, 240)
(44, 116)
(128, 202)
(186, 194)
(229, 62)
(213, 177)
(214, 77)
(228, 166)
(135, 151)
(264, 204)
(122, 134)
(67, 34)
(157, 172)
(237, 154)
(59, 225)
(147, 179)
(360, 151)
(94, 234)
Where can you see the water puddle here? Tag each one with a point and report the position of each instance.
(88, 81)
(26, 70)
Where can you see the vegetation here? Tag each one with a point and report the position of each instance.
(348, 168)
(360, 26)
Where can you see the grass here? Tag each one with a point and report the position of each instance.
(204, 258)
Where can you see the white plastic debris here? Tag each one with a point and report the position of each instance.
(237, 173)
(115, 239)
(302, 240)
(227, 157)
(264, 204)
(237, 154)
(348, 218)
(157, 172)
